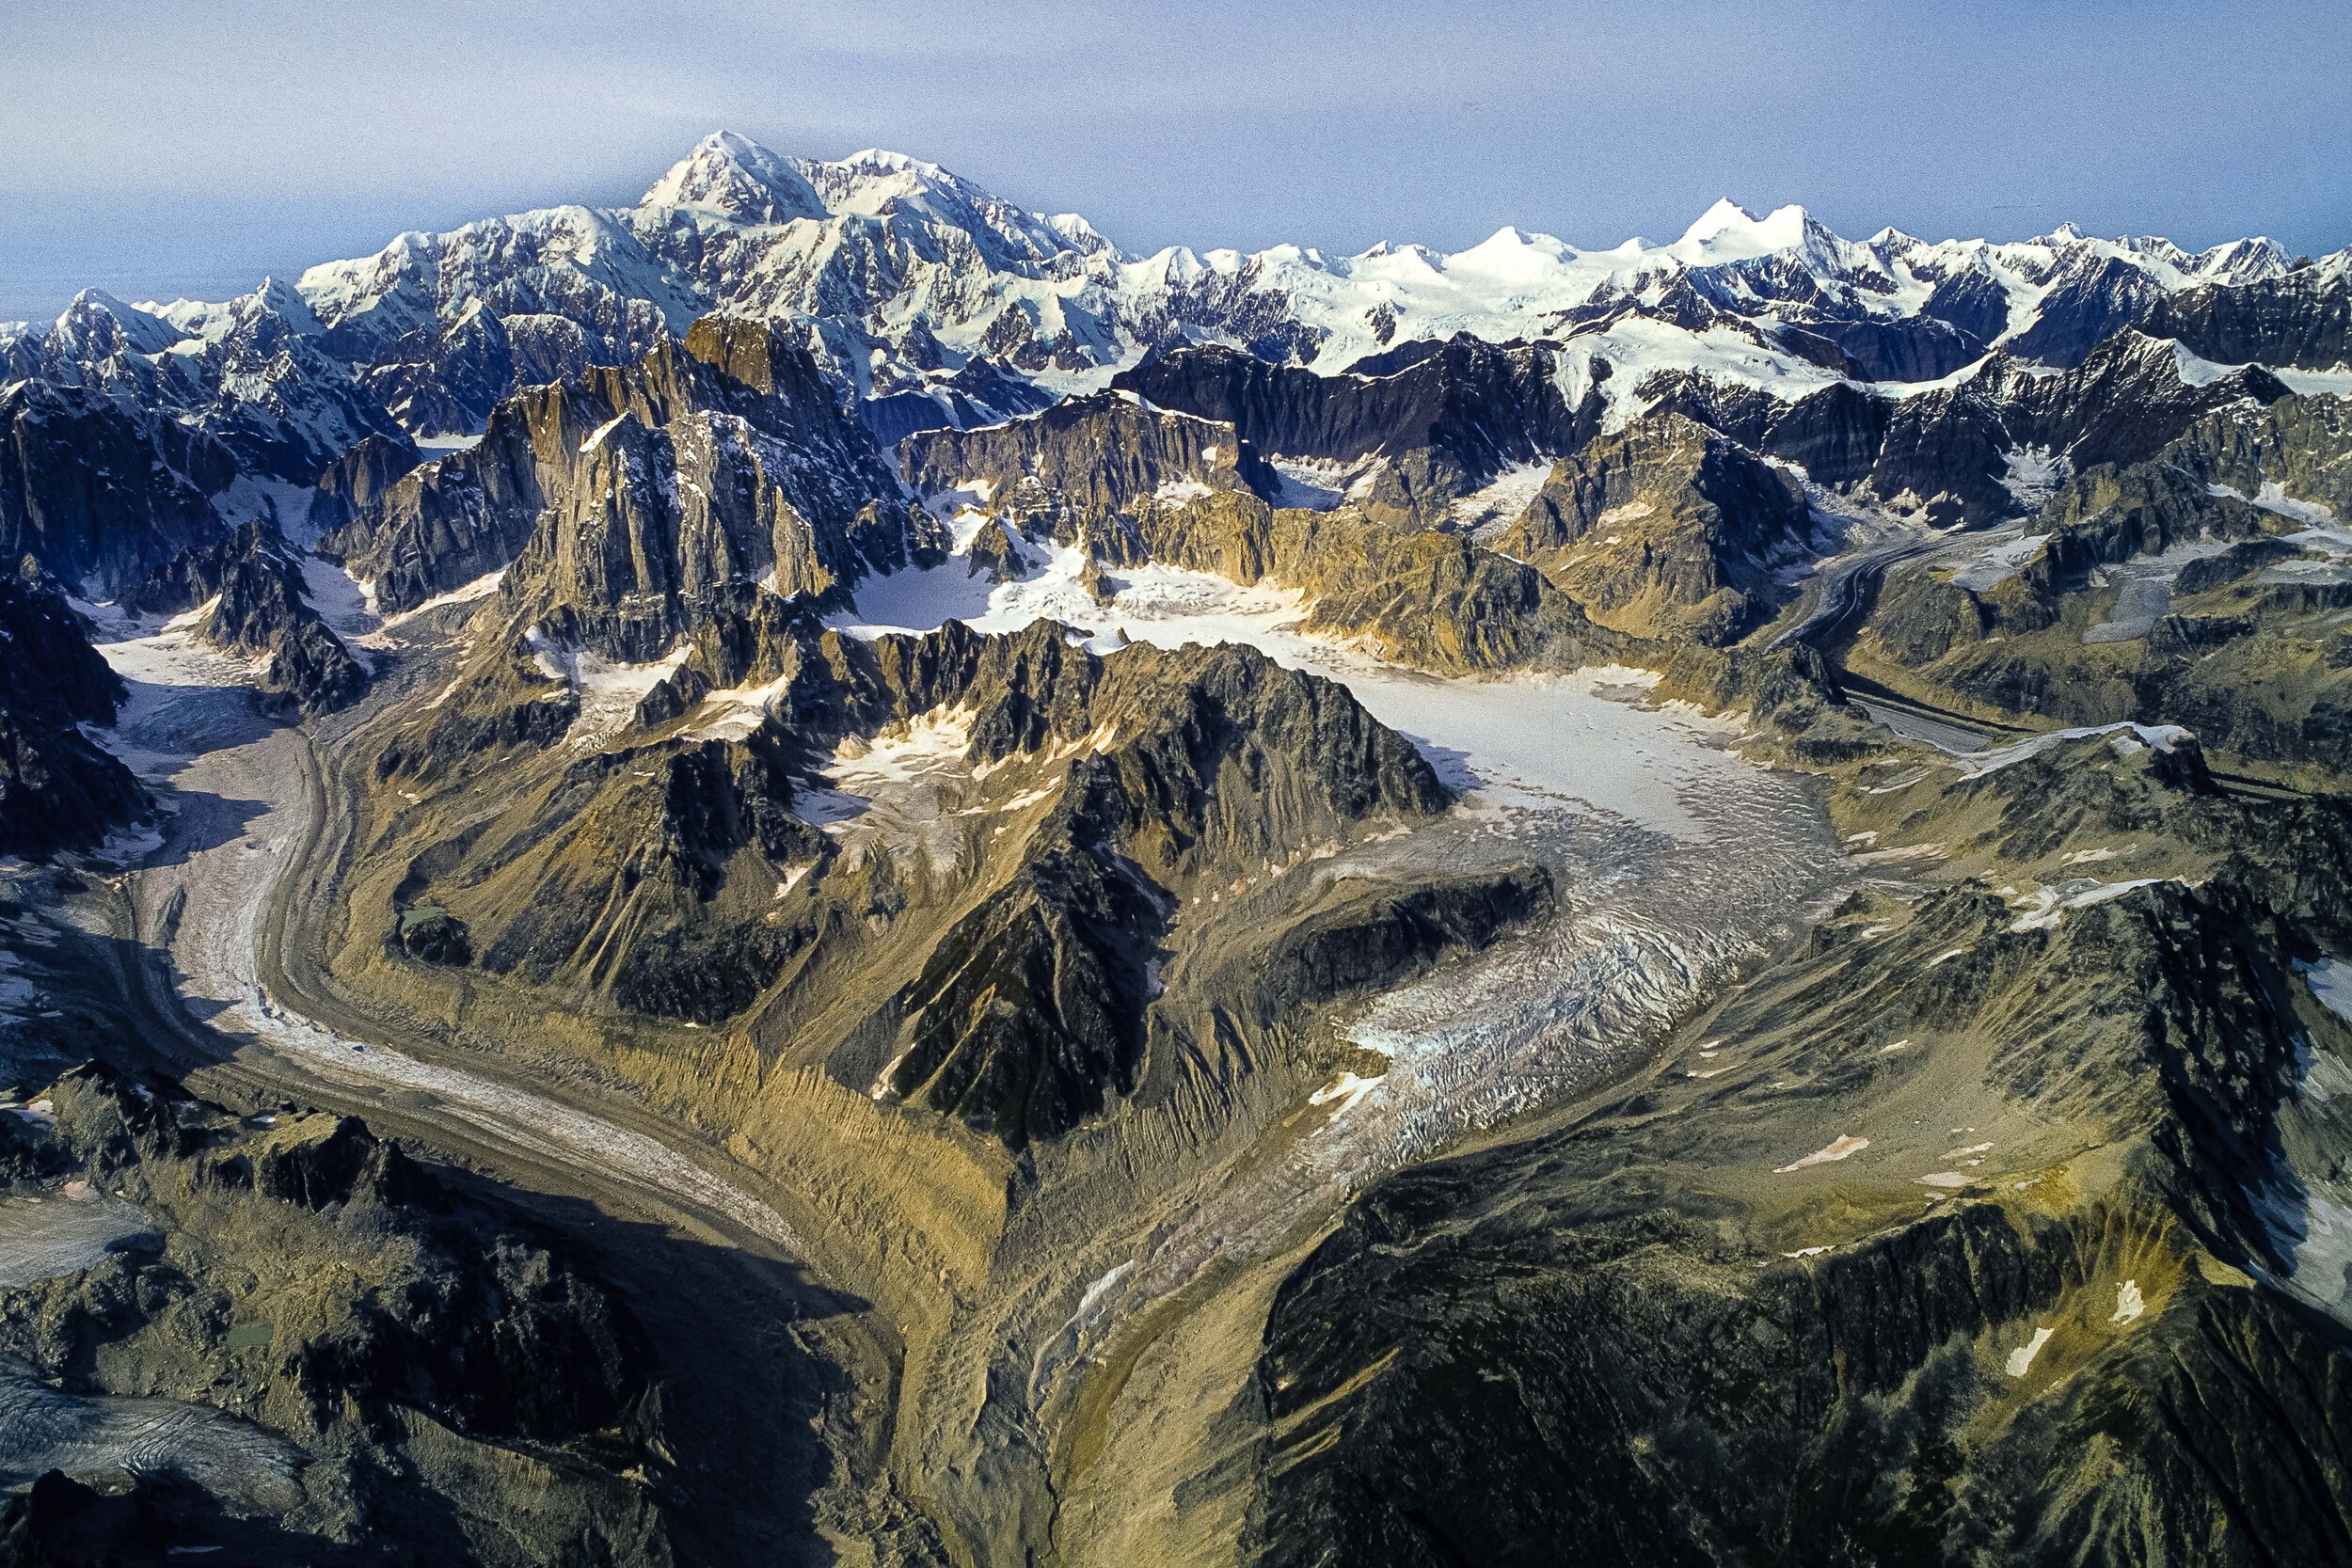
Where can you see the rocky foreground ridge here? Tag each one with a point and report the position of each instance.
(291, 1343)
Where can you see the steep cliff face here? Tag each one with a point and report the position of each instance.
(1666, 529)
(58, 790)
(458, 518)
(254, 375)
(2302, 318)
(1029, 1014)
(358, 478)
(2088, 299)
(1448, 417)
(99, 496)
(1954, 452)
(2297, 450)
(449, 378)
(2126, 401)
(725, 457)
(1086, 467)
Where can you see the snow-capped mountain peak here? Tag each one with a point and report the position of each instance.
(919, 289)
(735, 176)
(878, 183)
(2246, 260)
(1729, 232)
(97, 323)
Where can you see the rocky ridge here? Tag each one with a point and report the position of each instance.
(58, 790)
(2156, 592)
(250, 597)
(717, 458)
(779, 783)
(333, 1357)
(2068, 1328)
(98, 494)
(1666, 529)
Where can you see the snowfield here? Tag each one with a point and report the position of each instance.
(1529, 739)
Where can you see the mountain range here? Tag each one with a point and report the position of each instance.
(930, 301)
(820, 872)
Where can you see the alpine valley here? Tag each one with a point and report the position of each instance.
(819, 871)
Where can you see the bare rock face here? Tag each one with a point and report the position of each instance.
(254, 580)
(1086, 467)
(2158, 595)
(1438, 601)
(58, 790)
(2124, 402)
(2303, 446)
(99, 495)
(2089, 300)
(1029, 1012)
(1666, 529)
(1379, 936)
(1448, 417)
(1947, 452)
(355, 479)
(451, 379)
(725, 457)
(1062, 806)
(2302, 318)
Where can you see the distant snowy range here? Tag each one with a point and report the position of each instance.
(930, 301)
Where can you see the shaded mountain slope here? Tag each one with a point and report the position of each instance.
(250, 588)
(719, 457)
(57, 789)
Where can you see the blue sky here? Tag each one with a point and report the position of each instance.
(190, 146)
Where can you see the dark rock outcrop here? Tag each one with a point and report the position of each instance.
(98, 494)
(1085, 469)
(260, 607)
(611, 494)
(1029, 1012)
(1448, 417)
(1666, 529)
(1381, 937)
(413, 1352)
(1948, 451)
(2303, 318)
(58, 790)
(2087, 301)
(355, 480)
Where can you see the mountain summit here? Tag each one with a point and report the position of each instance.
(736, 177)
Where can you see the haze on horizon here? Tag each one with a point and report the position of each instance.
(188, 147)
